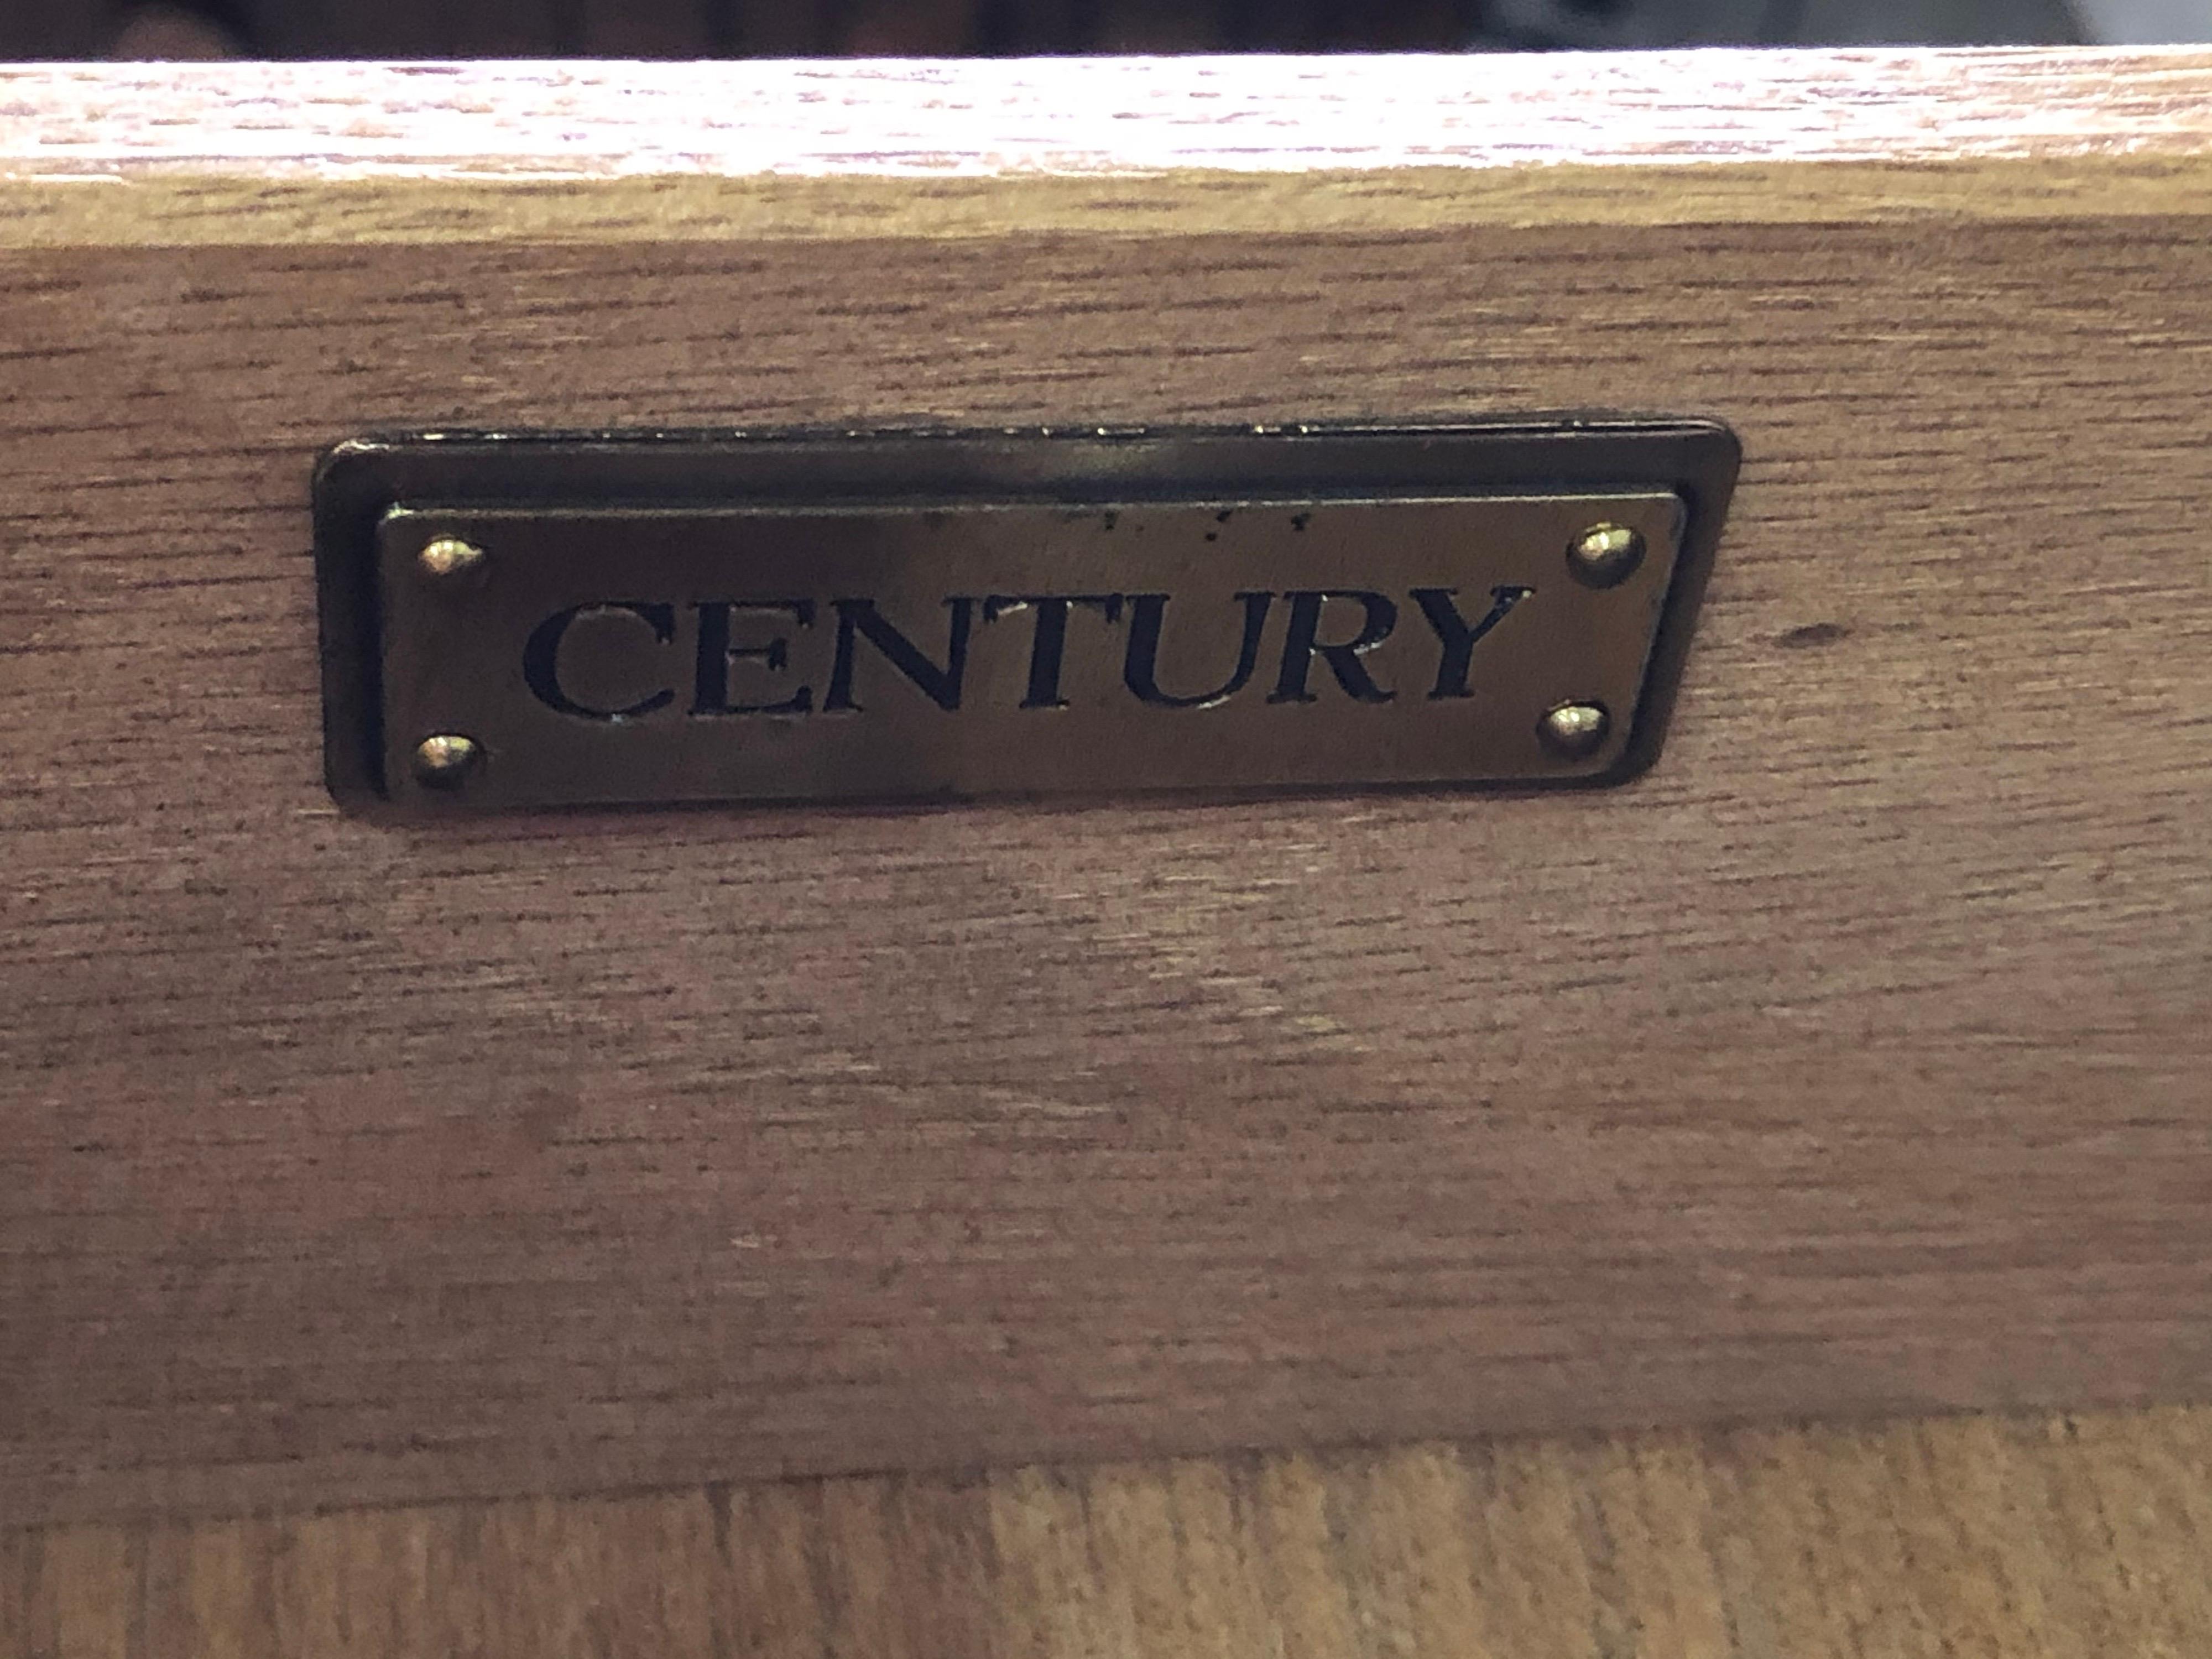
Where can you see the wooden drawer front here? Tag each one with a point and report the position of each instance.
(1857, 1058)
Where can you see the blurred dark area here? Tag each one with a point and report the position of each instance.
(753, 28)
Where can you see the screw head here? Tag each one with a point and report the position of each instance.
(1574, 731)
(445, 759)
(450, 561)
(1605, 555)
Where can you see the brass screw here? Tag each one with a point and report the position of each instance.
(1574, 731)
(449, 559)
(445, 760)
(1605, 555)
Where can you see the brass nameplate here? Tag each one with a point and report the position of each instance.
(934, 617)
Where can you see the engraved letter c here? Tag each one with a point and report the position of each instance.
(541, 660)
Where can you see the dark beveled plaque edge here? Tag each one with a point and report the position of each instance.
(356, 481)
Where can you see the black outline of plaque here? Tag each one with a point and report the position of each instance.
(357, 480)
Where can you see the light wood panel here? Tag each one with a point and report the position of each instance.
(1855, 1061)
(278, 156)
(2023, 1538)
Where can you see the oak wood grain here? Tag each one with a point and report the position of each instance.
(2013, 1538)
(1853, 1061)
(344, 154)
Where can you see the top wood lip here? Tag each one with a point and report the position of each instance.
(257, 153)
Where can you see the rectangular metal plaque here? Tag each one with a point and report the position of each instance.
(530, 623)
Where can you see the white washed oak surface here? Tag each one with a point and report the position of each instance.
(1855, 1060)
(247, 154)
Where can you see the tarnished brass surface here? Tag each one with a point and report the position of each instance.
(736, 650)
